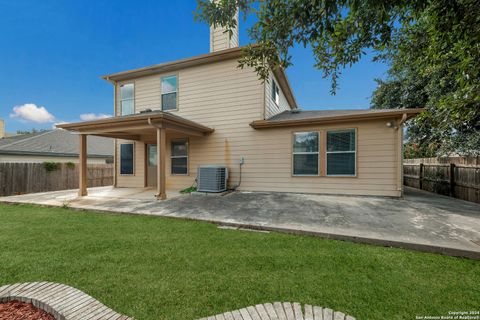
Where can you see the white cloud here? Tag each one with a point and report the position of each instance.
(30, 112)
(93, 116)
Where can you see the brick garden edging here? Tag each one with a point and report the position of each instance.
(67, 303)
(61, 301)
(282, 311)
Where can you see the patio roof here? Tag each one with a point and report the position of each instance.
(152, 126)
(133, 127)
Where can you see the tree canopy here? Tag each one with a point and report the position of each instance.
(433, 48)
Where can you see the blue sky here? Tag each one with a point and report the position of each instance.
(52, 54)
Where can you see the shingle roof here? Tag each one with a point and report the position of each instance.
(55, 143)
(316, 117)
(308, 114)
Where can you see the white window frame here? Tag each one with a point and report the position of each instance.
(132, 99)
(133, 159)
(162, 93)
(354, 152)
(294, 153)
(276, 93)
(176, 157)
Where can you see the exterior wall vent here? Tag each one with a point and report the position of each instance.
(212, 178)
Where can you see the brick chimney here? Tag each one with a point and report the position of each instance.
(221, 40)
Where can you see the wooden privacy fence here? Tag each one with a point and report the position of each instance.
(454, 177)
(20, 178)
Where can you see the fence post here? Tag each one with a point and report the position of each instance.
(452, 179)
(420, 176)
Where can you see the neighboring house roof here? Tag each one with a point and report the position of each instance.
(312, 117)
(233, 53)
(55, 143)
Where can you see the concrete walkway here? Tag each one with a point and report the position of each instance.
(421, 221)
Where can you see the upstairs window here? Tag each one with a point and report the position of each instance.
(179, 157)
(169, 93)
(127, 100)
(341, 153)
(275, 93)
(305, 153)
(126, 158)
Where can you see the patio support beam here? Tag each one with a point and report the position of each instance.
(82, 166)
(161, 163)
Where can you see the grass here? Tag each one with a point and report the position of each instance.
(159, 268)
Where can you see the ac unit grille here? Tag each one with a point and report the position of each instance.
(212, 179)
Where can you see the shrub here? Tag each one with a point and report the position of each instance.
(51, 166)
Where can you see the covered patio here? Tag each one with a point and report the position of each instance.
(149, 127)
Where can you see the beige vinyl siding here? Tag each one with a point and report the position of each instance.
(268, 163)
(220, 96)
(271, 108)
(228, 99)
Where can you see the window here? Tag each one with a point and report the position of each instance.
(179, 157)
(275, 93)
(305, 153)
(152, 155)
(169, 93)
(341, 153)
(126, 158)
(127, 104)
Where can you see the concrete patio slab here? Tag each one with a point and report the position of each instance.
(421, 220)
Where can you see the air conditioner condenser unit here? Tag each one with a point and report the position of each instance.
(212, 178)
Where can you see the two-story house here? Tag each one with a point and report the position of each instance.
(173, 117)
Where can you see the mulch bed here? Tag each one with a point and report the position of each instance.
(16, 310)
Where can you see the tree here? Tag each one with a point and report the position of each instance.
(338, 32)
(436, 63)
(433, 47)
(33, 130)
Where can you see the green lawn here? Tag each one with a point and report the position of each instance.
(159, 268)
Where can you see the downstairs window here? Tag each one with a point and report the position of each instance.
(305, 153)
(179, 157)
(341, 153)
(126, 158)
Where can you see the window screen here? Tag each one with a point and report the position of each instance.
(305, 153)
(179, 157)
(169, 93)
(126, 158)
(341, 153)
(127, 105)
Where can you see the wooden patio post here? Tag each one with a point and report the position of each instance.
(82, 166)
(161, 170)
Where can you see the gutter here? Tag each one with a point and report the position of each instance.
(265, 124)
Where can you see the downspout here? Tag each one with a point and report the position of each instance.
(115, 148)
(235, 187)
(153, 124)
(402, 121)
